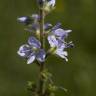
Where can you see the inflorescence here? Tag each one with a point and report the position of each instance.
(54, 37)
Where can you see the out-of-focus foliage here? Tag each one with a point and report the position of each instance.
(78, 75)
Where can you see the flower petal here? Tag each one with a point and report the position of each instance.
(68, 31)
(61, 44)
(59, 32)
(62, 54)
(31, 58)
(34, 42)
(56, 26)
(24, 50)
(52, 41)
(41, 55)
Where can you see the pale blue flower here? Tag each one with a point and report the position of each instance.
(56, 39)
(59, 46)
(32, 51)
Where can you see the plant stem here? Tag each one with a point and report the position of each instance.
(42, 65)
(41, 82)
(42, 27)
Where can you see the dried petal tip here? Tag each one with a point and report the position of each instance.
(70, 45)
(68, 31)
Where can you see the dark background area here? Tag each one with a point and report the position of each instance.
(78, 75)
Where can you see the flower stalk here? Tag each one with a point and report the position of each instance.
(42, 64)
(41, 12)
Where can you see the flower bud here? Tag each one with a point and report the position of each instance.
(25, 20)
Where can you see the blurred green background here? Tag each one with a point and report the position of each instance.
(78, 75)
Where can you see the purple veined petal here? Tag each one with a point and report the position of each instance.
(65, 35)
(24, 51)
(58, 25)
(51, 2)
(31, 58)
(59, 32)
(41, 55)
(25, 20)
(61, 46)
(34, 42)
(62, 54)
(60, 42)
(52, 41)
